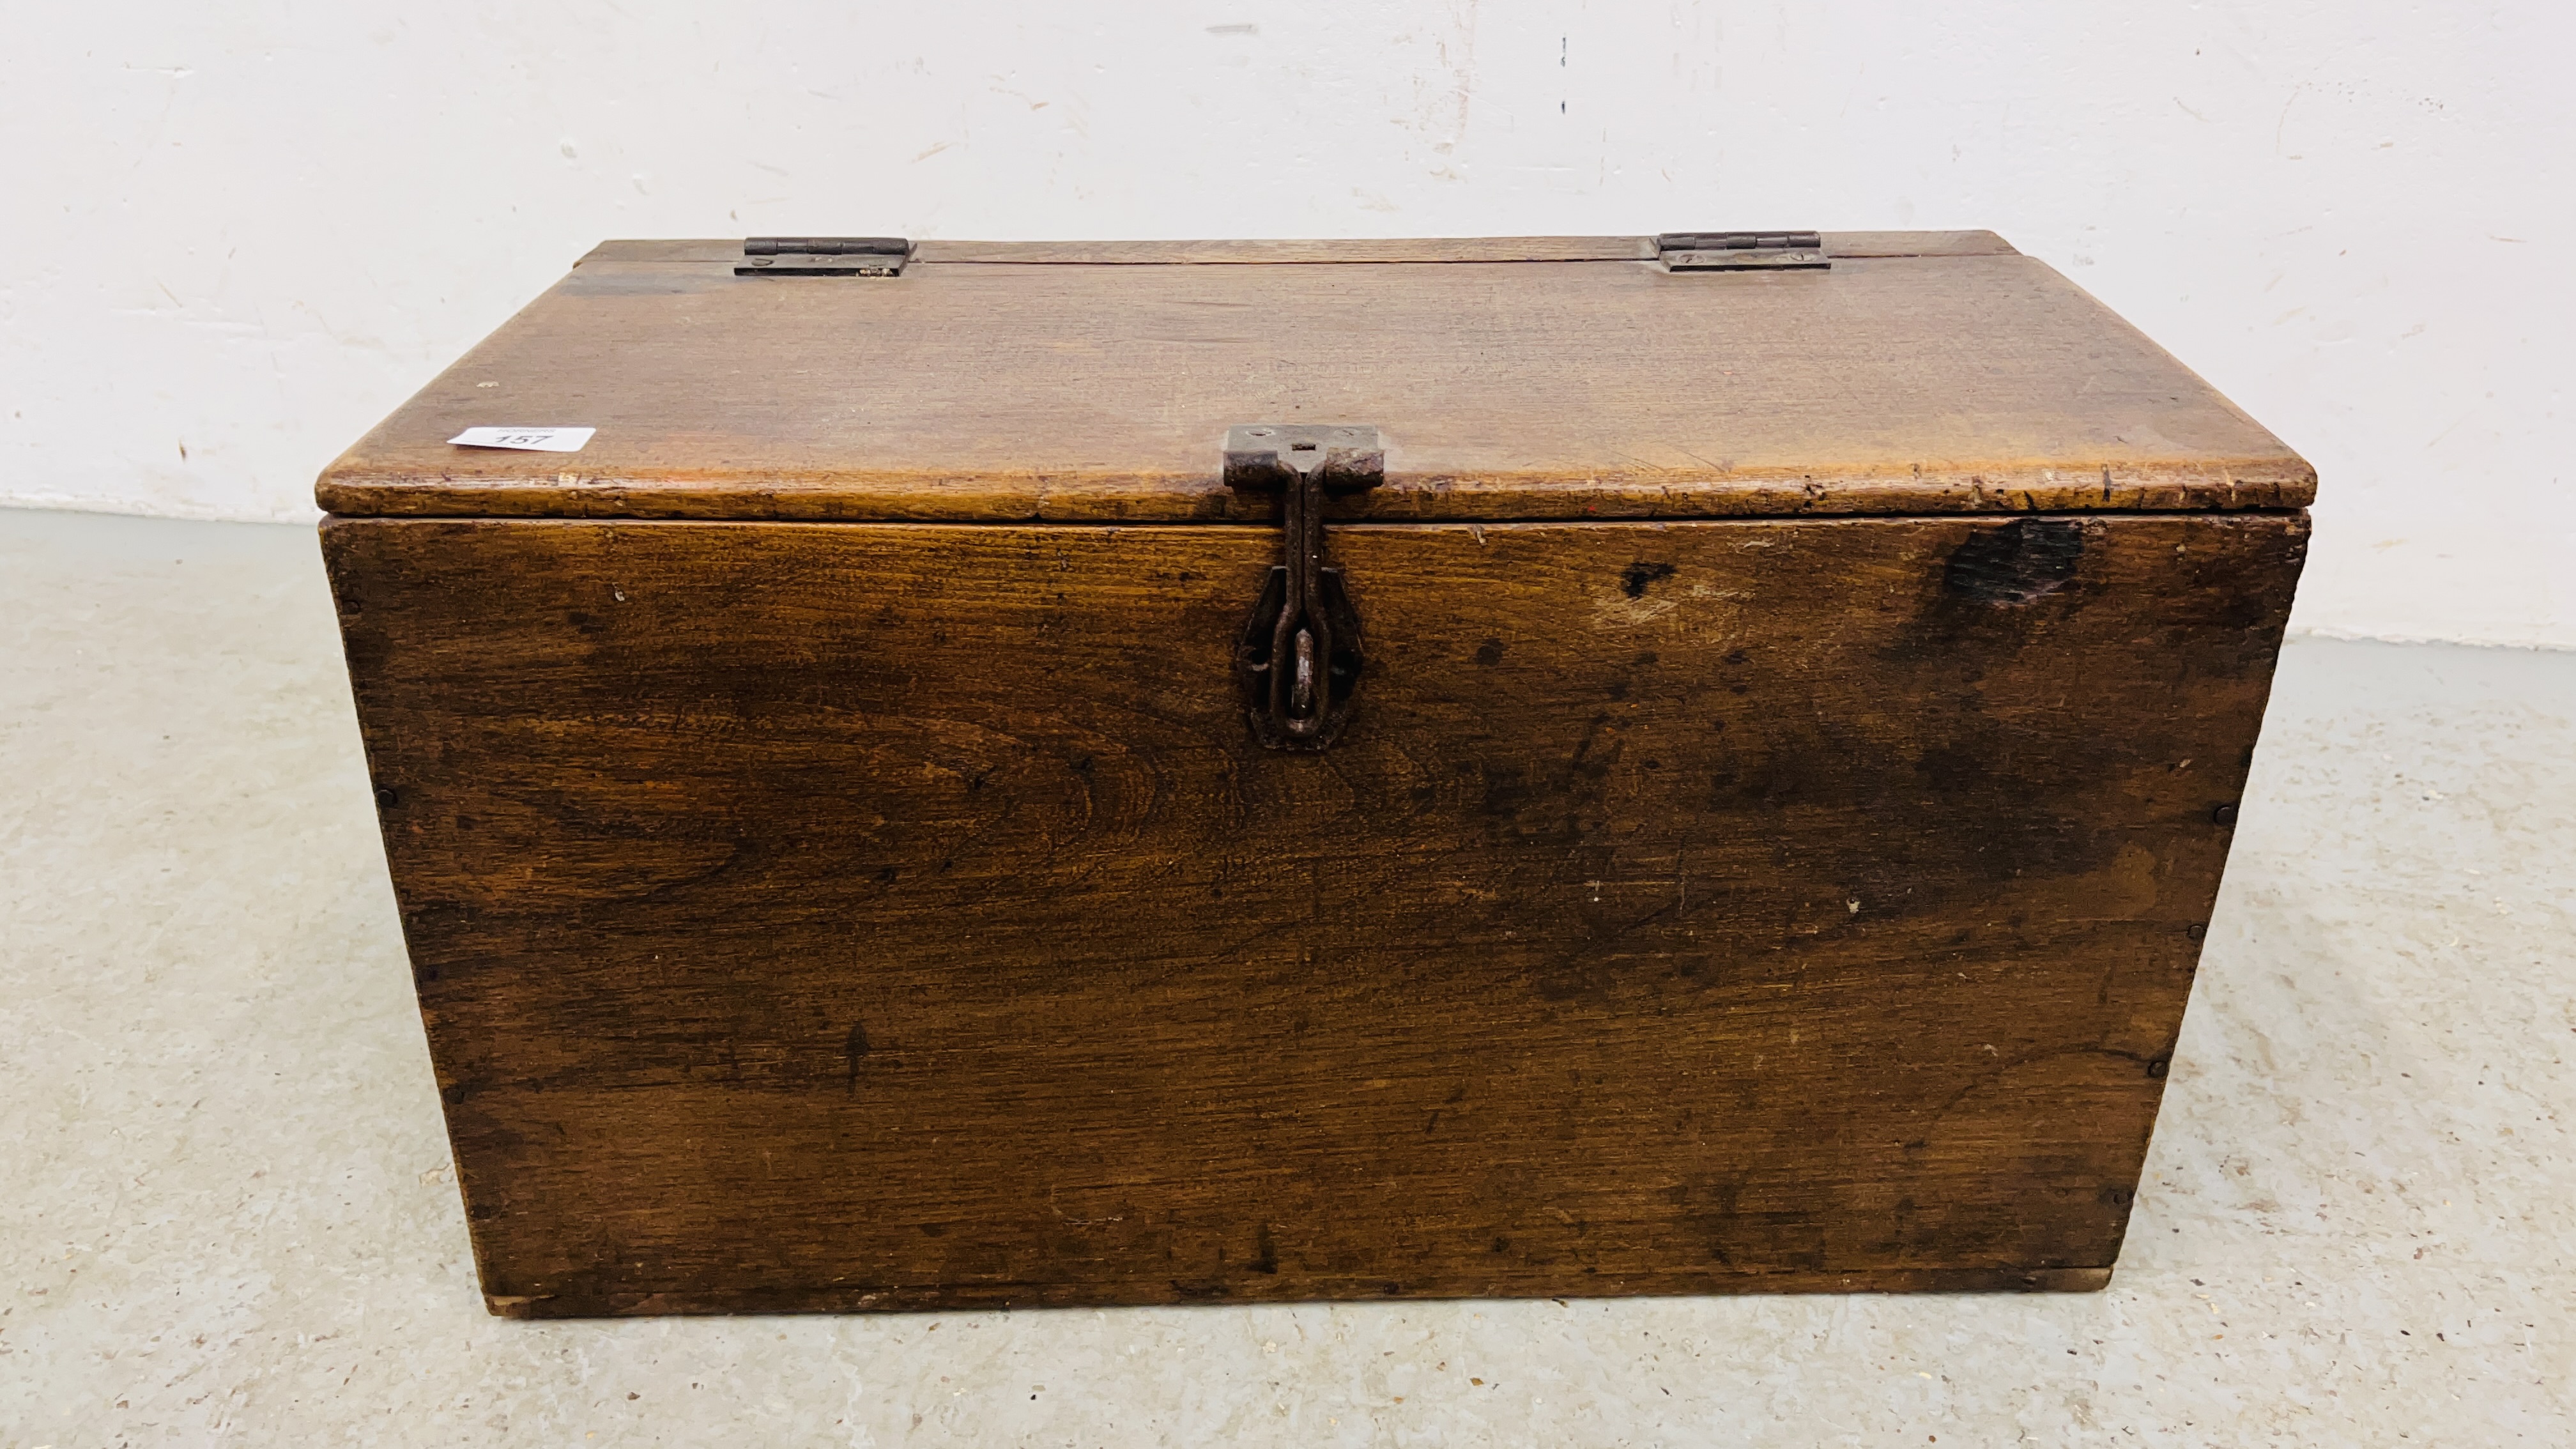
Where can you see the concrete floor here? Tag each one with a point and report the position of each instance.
(227, 1216)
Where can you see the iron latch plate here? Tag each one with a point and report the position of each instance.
(1342, 458)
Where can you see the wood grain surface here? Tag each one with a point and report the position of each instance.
(1423, 249)
(1962, 377)
(901, 916)
(1258, 251)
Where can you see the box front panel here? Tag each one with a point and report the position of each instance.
(840, 916)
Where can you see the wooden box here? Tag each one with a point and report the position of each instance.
(1732, 806)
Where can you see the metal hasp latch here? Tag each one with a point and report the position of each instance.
(823, 256)
(1742, 251)
(1299, 658)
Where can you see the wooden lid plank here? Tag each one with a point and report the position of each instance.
(1512, 378)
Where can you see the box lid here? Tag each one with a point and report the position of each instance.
(1510, 378)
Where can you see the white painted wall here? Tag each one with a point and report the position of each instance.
(233, 236)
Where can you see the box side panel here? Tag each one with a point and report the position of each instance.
(839, 916)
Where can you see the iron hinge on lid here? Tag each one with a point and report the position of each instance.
(1742, 251)
(823, 256)
(1298, 658)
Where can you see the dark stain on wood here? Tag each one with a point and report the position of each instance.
(2015, 562)
(854, 1050)
(1637, 577)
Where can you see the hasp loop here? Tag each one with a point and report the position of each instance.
(1299, 658)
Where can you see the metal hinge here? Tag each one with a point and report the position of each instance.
(823, 256)
(1742, 251)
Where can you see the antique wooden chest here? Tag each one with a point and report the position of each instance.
(1140, 772)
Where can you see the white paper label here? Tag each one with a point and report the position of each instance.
(535, 440)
